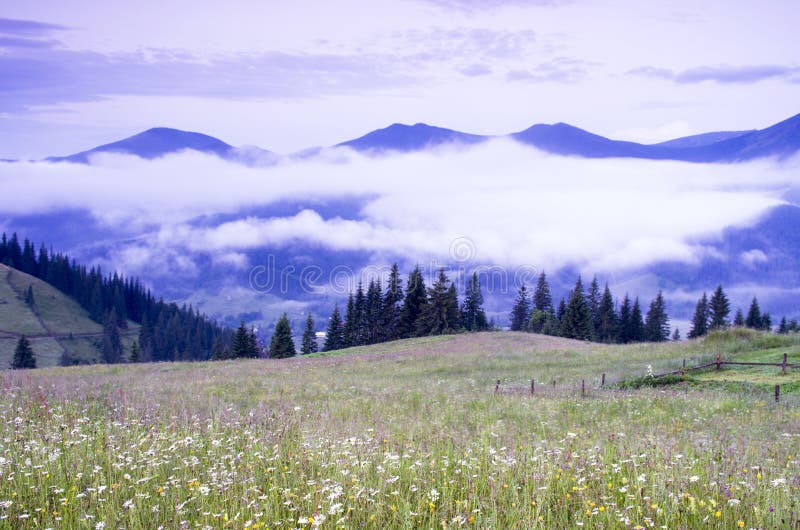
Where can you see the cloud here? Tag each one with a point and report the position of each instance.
(491, 5)
(516, 205)
(723, 74)
(753, 257)
(560, 69)
(11, 26)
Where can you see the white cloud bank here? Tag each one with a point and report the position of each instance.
(517, 205)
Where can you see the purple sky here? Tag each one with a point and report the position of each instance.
(289, 75)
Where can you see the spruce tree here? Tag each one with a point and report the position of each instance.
(282, 345)
(253, 348)
(766, 322)
(718, 309)
(29, 300)
(350, 323)
(753, 319)
(334, 336)
(559, 317)
(738, 320)
(392, 306)
(637, 332)
(374, 313)
(414, 303)
(361, 320)
(309, 337)
(657, 322)
(135, 356)
(700, 318)
(577, 321)
(240, 345)
(112, 345)
(676, 335)
(783, 326)
(23, 355)
(521, 312)
(542, 299)
(623, 335)
(593, 299)
(606, 328)
(440, 315)
(473, 316)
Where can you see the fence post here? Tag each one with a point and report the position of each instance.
(583, 387)
(603, 380)
(554, 384)
(718, 362)
(783, 366)
(533, 387)
(497, 387)
(777, 393)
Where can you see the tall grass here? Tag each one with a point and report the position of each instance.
(411, 437)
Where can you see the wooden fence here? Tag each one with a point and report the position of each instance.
(717, 364)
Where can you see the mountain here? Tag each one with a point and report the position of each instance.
(406, 138)
(154, 143)
(700, 140)
(55, 324)
(565, 139)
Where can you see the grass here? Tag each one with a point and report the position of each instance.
(404, 435)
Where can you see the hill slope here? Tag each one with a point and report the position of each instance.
(55, 324)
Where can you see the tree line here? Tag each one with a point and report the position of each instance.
(711, 314)
(589, 315)
(168, 332)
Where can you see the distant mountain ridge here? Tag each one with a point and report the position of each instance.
(780, 140)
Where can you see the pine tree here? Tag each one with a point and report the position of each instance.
(783, 327)
(676, 335)
(440, 315)
(309, 337)
(253, 348)
(637, 322)
(577, 321)
(334, 336)
(241, 345)
(738, 320)
(414, 303)
(361, 322)
(112, 345)
(542, 299)
(700, 318)
(623, 335)
(23, 355)
(593, 299)
(754, 320)
(521, 312)
(282, 345)
(718, 308)
(606, 327)
(392, 306)
(657, 322)
(350, 323)
(473, 316)
(374, 313)
(135, 356)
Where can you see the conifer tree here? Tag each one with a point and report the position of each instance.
(392, 306)
(766, 322)
(577, 320)
(309, 337)
(440, 315)
(593, 299)
(241, 345)
(624, 321)
(414, 303)
(738, 320)
(559, 318)
(253, 348)
(521, 312)
(637, 322)
(718, 310)
(676, 335)
(361, 322)
(374, 313)
(282, 344)
(754, 320)
(29, 300)
(657, 322)
(700, 318)
(473, 316)
(350, 323)
(112, 345)
(606, 327)
(334, 336)
(23, 355)
(135, 356)
(783, 326)
(542, 299)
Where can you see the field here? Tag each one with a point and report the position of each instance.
(408, 434)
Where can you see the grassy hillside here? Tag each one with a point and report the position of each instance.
(402, 435)
(54, 324)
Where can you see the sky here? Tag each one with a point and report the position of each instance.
(290, 75)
